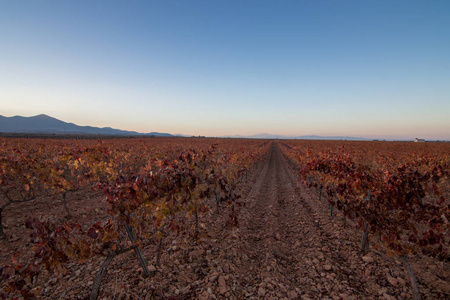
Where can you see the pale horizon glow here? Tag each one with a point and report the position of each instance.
(214, 68)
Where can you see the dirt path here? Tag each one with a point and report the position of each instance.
(268, 230)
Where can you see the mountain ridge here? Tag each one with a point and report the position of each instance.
(300, 137)
(45, 124)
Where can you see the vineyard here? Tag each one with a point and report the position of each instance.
(179, 218)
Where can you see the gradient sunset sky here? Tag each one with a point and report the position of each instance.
(377, 69)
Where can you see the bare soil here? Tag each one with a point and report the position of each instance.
(285, 246)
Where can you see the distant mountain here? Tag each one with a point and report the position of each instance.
(300, 137)
(49, 125)
(318, 137)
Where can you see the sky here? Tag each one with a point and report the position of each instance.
(377, 69)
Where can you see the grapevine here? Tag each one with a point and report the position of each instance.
(149, 188)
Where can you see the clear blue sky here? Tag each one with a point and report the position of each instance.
(357, 68)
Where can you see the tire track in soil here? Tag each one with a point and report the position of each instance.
(285, 251)
(266, 229)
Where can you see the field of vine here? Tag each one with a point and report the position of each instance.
(151, 187)
(184, 218)
(400, 191)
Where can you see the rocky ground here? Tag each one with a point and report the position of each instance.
(286, 246)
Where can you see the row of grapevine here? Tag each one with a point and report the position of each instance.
(408, 185)
(396, 191)
(152, 186)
